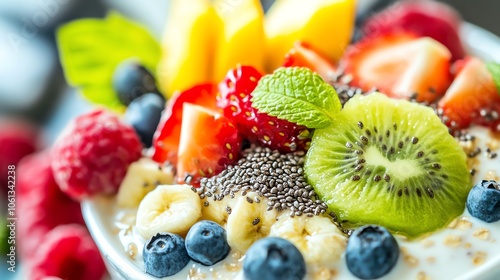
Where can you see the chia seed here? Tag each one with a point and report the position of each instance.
(276, 178)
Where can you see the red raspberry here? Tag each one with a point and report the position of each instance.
(235, 100)
(42, 203)
(93, 153)
(67, 252)
(17, 139)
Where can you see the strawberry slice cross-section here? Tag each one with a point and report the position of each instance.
(400, 65)
(209, 142)
(472, 98)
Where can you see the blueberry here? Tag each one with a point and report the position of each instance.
(483, 201)
(206, 243)
(144, 114)
(165, 255)
(131, 80)
(273, 258)
(371, 252)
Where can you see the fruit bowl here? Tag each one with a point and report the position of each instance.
(99, 212)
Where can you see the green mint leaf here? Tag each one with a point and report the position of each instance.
(297, 95)
(90, 50)
(494, 69)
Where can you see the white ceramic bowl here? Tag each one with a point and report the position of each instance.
(98, 216)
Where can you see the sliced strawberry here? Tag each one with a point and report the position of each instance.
(302, 55)
(472, 97)
(209, 142)
(400, 65)
(260, 128)
(423, 18)
(167, 135)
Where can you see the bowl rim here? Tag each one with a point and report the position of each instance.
(488, 49)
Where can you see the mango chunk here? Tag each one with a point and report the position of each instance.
(241, 38)
(188, 45)
(326, 25)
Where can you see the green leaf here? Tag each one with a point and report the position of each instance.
(494, 69)
(90, 50)
(297, 95)
(4, 236)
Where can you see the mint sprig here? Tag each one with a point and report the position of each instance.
(90, 50)
(494, 69)
(297, 95)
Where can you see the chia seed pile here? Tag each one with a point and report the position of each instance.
(277, 177)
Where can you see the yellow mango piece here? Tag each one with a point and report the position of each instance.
(326, 25)
(241, 40)
(188, 45)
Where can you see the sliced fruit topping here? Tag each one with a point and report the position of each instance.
(260, 128)
(317, 238)
(142, 177)
(248, 222)
(241, 38)
(400, 65)
(144, 114)
(68, 252)
(389, 162)
(206, 243)
(483, 201)
(164, 255)
(132, 80)
(371, 252)
(188, 45)
(473, 97)
(167, 136)
(326, 25)
(93, 153)
(168, 208)
(423, 18)
(273, 258)
(91, 49)
(202, 152)
(302, 55)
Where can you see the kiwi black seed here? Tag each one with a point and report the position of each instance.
(408, 174)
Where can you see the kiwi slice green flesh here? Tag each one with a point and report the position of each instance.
(389, 162)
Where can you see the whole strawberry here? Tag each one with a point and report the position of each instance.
(260, 128)
(68, 252)
(41, 203)
(92, 155)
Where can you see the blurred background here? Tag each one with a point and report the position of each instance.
(32, 85)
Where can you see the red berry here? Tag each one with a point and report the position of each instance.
(423, 18)
(42, 203)
(92, 155)
(68, 252)
(17, 139)
(205, 152)
(472, 98)
(167, 135)
(260, 128)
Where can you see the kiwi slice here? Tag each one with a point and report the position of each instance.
(389, 162)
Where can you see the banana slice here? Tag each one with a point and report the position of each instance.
(217, 211)
(168, 208)
(317, 238)
(142, 177)
(248, 222)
